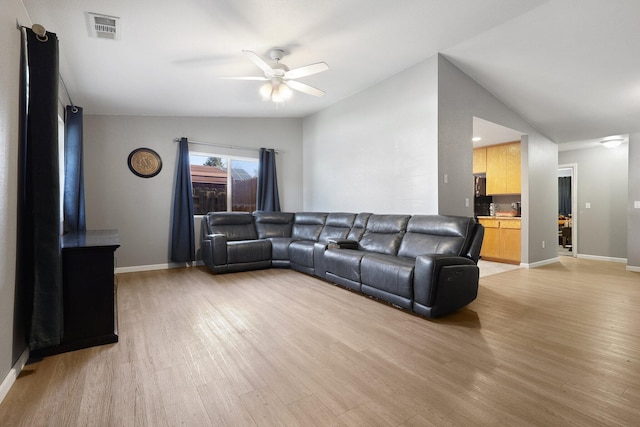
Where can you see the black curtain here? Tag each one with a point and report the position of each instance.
(74, 212)
(564, 195)
(182, 232)
(39, 258)
(267, 197)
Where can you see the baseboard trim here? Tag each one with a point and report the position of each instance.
(540, 263)
(12, 376)
(603, 258)
(634, 269)
(152, 267)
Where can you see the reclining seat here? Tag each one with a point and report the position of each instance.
(307, 228)
(335, 232)
(229, 242)
(446, 250)
(390, 277)
(303, 252)
(382, 235)
(276, 227)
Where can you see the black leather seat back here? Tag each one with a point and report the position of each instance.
(273, 224)
(359, 226)
(337, 226)
(384, 233)
(308, 225)
(436, 234)
(234, 225)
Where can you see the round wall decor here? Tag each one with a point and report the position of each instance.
(144, 162)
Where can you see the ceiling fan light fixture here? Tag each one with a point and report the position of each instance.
(276, 96)
(281, 80)
(276, 90)
(285, 91)
(265, 91)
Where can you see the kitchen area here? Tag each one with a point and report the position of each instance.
(497, 200)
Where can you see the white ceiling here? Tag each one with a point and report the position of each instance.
(569, 67)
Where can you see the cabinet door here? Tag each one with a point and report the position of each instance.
(496, 169)
(480, 160)
(491, 241)
(513, 168)
(510, 240)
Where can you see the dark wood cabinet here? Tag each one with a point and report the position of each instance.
(89, 291)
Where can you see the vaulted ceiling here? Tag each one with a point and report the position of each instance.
(569, 67)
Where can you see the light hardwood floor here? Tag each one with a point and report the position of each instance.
(552, 346)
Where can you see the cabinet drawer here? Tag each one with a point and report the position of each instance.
(490, 223)
(511, 223)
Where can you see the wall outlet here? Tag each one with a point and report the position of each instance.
(543, 244)
(636, 204)
(446, 178)
(466, 202)
(587, 205)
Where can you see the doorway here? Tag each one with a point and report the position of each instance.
(568, 210)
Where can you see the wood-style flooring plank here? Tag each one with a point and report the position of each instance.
(555, 345)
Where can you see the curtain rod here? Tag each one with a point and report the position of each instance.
(41, 33)
(211, 144)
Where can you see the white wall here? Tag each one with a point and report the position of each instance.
(633, 225)
(376, 151)
(603, 182)
(140, 208)
(460, 99)
(12, 11)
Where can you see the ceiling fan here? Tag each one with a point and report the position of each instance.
(280, 78)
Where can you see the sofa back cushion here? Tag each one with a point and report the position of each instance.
(337, 226)
(234, 225)
(359, 226)
(308, 225)
(384, 233)
(436, 234)
(273, 224)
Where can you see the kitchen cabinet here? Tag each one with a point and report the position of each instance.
(501, 239)
(503, 169)
(479, 160)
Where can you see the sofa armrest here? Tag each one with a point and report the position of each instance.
(214, 251)
(447, 282)
(342, 243)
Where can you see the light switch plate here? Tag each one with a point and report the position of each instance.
(636, 204)
(587, 205)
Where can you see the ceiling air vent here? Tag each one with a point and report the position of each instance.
(103, 26)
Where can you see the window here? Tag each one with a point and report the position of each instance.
(223, 183)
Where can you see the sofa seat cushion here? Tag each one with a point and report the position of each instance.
(301, 252)
(245, 251)
(344, 263)
(388, 273)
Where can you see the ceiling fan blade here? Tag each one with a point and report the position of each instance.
(304, 88)
(258, 61)
(307, 70)
(262, 79)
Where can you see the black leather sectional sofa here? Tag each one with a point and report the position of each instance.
(423, 263)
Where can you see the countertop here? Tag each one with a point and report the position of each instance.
(498, 217)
